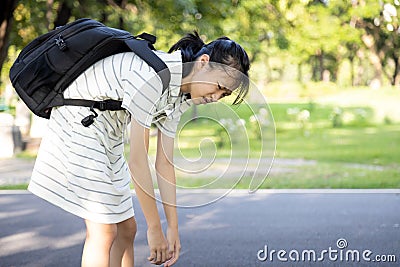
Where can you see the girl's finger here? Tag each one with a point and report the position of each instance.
(174, 258)
(170, 253)
(171, 262)
(159, 257)
(153, 256)
(164, 255)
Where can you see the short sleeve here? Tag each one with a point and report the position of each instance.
(169, 124)
(142, 89)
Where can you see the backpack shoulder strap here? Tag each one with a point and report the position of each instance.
(141, 48)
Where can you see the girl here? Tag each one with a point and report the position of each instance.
(83, 170)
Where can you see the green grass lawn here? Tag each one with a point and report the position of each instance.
(368, 145)
(355, 157)
(14, 187)
(355, 151)
(357, 142)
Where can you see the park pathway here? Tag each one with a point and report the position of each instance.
(18, 171)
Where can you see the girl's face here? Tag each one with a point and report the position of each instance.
(206, 84)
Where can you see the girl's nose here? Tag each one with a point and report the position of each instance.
(216, 96)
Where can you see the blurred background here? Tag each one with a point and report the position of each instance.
(329, 71)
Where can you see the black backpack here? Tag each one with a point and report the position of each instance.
(51, 62)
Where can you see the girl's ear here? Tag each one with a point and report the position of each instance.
(201, 62)
(204, 59)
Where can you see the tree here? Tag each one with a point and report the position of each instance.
(379, 22)
(169, 20)
(6, 15)
(261, 27)
(63, 13)
(318, 33)
(321, 36)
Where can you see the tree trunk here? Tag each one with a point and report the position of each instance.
(320, 56)
(359, 68)
(122, 5)
(300, 73)
(6, 15)
(314, 69)
(352, 81)
(396, 73)
(374, 59)
(49, 13)
(63, 14)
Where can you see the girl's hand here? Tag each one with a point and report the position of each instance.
(158, 246)
(174, 246)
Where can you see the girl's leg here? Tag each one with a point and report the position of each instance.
(122, 248)
(98, 243)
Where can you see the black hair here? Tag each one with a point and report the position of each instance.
(222, 50)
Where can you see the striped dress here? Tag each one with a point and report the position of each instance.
(83, 169)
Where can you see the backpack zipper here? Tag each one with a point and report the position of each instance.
(54, 34)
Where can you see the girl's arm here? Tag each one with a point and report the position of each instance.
(167, 185)
(166, 177)
(141, 175)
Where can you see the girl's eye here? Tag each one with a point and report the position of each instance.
(220, 87)
(227, 92)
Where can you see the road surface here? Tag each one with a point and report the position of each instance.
(302, 227)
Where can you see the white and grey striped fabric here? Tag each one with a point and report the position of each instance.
(83, 169)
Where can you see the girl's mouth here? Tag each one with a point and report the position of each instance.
(206, 100)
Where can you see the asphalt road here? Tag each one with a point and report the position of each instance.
(237, 230)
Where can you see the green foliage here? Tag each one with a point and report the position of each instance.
(319, 34)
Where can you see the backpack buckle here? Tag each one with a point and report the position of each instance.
(101, 105)
(108, 104)
(88, 120)
(148, 37)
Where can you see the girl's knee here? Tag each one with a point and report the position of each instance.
(102, 233)
(127, 229)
